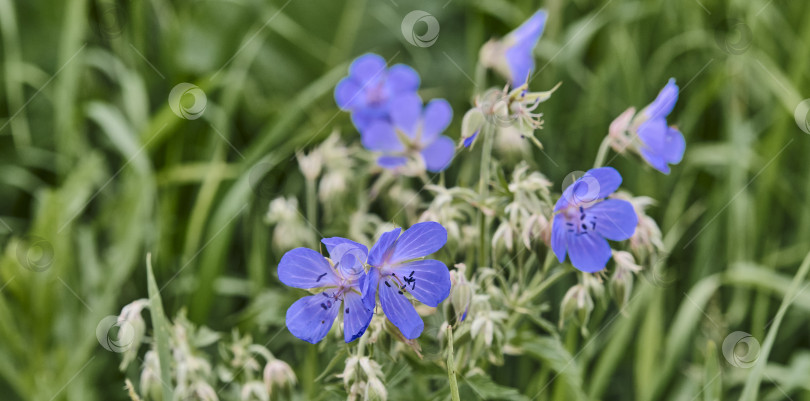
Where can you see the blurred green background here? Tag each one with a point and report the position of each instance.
(95, 165)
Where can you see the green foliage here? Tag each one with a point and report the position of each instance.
(99, 171)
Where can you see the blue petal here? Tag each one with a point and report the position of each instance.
(589, 252)
(469, 140)
(420, 240)
(380, 136)
(305, 268)
(653, 134)
(427, 280)
(310, 318)
(349, 261)
(522, 42)
(674, 146)
(402, 78)
(366, 68)
(558, 237)
(655, 160)
(348, 93)
(332, 242)
(391, 162)
(356, 317)
(596, 184)
(437, 117)
(664, 102)
(406, 112)
(382, 247)
(439, 154)
(615, 219)
(399, 310)
(369, 288)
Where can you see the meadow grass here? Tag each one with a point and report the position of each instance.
(97, 165)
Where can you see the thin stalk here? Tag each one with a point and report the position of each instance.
(312, 205)
(451, 366)
(602, 153)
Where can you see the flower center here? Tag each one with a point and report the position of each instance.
(579, 221)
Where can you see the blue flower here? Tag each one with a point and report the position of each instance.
(661, 145)
(338, 282)
(397, 268)
(513, 56)
(413, 131)
(585, 220)
(370, 86)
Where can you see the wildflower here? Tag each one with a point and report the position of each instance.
(461, 293)
(511, 113)
(336, 280)
(658, 144)
(512, 56)
(370, 87)
(397, 269)
(584, 220)
(413, 131)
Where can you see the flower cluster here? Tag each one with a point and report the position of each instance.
(391, 117)
(350, 280)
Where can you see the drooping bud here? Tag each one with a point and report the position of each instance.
(577, 305)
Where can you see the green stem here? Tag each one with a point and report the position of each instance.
(602, 153)
(451, 366)
(312, 204)
(483, 190)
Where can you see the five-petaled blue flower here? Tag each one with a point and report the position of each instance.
(338, 281)
(370, 86)
(662, 145)
(412, 131)
(397, 268)
(585, 219)
(513, 56)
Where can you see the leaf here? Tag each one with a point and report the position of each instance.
(486, 389)
(160, 329)
(551, 352)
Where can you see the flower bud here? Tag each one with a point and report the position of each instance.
(460, 294)
(310, 164)
(576, 304)
(278, 373)
(621, 283)
(254, 390)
